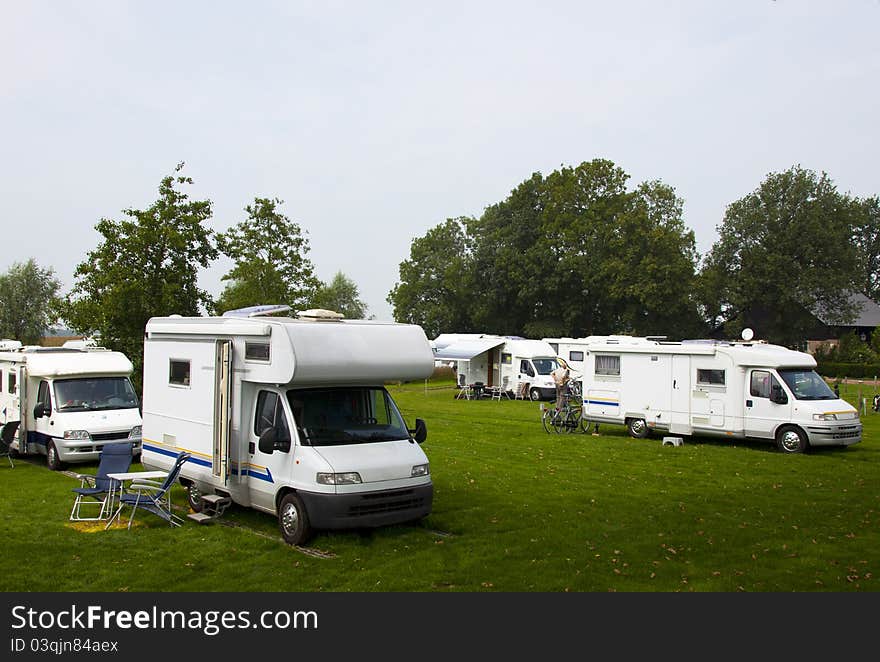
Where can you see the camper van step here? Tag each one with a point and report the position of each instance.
(201, 518)
(214, 504)
(213, 498)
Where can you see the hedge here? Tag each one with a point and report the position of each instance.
(836, 370)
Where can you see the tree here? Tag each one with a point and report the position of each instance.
(342, 296)
(146, 265)
(28, 302)
(435, 289)
(271, 267)
(866, 237)
(784, 251)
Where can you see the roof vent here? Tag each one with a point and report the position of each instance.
(320, 315)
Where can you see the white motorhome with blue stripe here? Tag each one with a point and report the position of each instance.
(735, 390)
(66, 402)
(289, 416)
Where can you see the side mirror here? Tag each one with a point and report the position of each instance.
(777, 395)
(267, 440)
(41, 410)
(421, 431)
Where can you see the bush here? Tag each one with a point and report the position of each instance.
(839, 370)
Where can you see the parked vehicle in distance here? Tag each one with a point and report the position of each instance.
(289, 416)
(510, 362)
(735, 390)
(67, 402)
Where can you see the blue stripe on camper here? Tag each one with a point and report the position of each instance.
(250, 471)
(610, 403)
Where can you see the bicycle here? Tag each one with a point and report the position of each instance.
(569, 419)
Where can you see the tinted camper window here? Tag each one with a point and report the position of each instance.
(710, 377)
(575, 356)
(256, 351)
(178, 372)
(11, 387)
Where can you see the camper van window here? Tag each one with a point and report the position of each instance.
(1, 381)
(178, 372)
(43, 396)
(270, 414)
(575, 356)
(760, 384)
(710, 377)
(506, 359)
(607, 364)
(525, 367)
(346, 415)
(94, 394)
(806, 384)
(256, 351)
(11, 384)
(545, 366)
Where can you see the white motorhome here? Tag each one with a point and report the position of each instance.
(735, 390)
(509, 362)
(65, 402)
(289, 416)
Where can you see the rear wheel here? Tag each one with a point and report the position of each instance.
(53, 461)
(546, 421)
(637, 427)
(293, 520)
(791, 440)
(194, 498)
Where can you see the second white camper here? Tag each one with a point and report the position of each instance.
(733, 390)
(289, 416)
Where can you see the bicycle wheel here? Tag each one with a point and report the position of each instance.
(573, 421)
(546, 418)
(557, 421)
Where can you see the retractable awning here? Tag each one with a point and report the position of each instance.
(465, 350)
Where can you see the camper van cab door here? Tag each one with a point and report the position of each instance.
(762, 414)
(268, 467)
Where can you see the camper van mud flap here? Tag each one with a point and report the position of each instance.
(368, 509)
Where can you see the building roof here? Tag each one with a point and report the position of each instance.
(867, 312)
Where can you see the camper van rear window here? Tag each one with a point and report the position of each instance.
(256, 351)
(608, 365)
(506, 359)
(575, 356)
(178, 372)
(710, 377)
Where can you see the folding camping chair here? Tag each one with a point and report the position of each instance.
(98, 490)
(6, 436)
(152, 496)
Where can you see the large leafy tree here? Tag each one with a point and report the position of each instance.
(435, 288)
(269, 251)
(340, 294)
(27, 301)
(784, 252)
(866, 237)
(147, 265)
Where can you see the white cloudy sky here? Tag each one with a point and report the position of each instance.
(375, 121)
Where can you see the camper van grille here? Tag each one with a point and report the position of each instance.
(846, 433)
(385, 502)
(110, 436)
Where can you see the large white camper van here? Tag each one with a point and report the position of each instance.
(66, 402)
(510, 362)
(289, 416)
(733, 390)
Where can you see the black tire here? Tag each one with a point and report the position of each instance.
(638, 428)
(558, 421)
(546, 419)
(194, 498)
(52, 460)
(534, 394)
(293, 520)
(791, 440)
(573, 421)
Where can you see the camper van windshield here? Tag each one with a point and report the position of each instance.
(545, 366)
(94, 393)
(806, 384)
(349, 415)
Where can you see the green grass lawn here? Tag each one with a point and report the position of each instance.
(515, 509)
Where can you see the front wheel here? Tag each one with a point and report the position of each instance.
(293, 520)
(791, 440)
(53, 461)
(637, 427)
(546, 420)
(535, 394)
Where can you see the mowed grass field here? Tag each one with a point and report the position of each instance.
(515, 509)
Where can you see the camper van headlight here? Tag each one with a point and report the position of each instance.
(419, 470)
(77, 434)
(136, 432)
(344, 478)
(824, 417)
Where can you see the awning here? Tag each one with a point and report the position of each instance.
(465, 350)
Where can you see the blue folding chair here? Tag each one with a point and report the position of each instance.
(152, 496)
(98, 490)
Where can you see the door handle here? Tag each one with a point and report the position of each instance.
(748, 403)
(252, 448)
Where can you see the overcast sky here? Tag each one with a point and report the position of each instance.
(375, 121)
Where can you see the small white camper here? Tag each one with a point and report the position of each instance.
(66, 403)
(510, 362)
(735, 390)
(289, 416)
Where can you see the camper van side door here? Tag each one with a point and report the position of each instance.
(764, 409)
(270, 449)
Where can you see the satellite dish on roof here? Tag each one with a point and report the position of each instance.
(747, 334)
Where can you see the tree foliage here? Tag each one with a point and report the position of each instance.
(269, 251)
(28, 302)
(866, 237)
(341, 295)
(146, 265)
(784, 252)
(573, 253)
